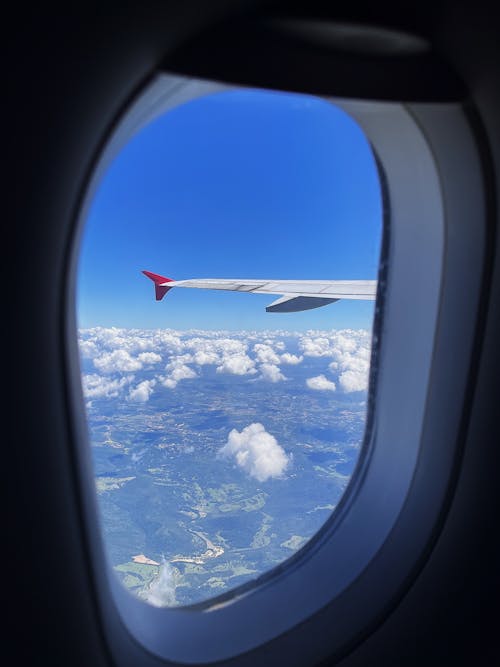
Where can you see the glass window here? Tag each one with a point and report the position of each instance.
(223, 435)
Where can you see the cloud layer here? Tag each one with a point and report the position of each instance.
(137, 363)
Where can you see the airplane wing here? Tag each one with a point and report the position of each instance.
(296, 295)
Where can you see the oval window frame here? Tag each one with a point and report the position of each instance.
(420, 309)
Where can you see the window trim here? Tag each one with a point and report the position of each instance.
(380, 535)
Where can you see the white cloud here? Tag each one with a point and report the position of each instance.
(351, 359)
(168, 382)
(291, 359)
(271, 372)
(265, 354)
(257, 452)
(142, 391)
(354, 380)
(213, 350)
(149, 358)
(180, 360)
(179, 372)
(346, 341)
(320, 382)
(231, 346)
(88, 349)
(237, 364)
(95, 386)
(350, 351)
(130, 340)
(204, 358)
(168, 341)
(182, 372)
(161, 591)
(117, 361)
(315, 347)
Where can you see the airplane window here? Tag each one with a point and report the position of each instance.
(225, 301)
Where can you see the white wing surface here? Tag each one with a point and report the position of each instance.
(296, 295)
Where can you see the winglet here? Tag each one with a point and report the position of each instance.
(160, 288)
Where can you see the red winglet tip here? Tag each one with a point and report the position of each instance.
(156, 278)
(160, 289)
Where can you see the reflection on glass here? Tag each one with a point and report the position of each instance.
(223, 436)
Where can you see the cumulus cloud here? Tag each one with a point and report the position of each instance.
(88, 349)
(178, 373)
(350, 351)
(149, 358)
(257, 452)
(178, 370)
(346, 341)
(118, 360)
(231, 346)
(113, 338)
(182, 372)
(161, 591)
(206, 357)
(98, 340)
(168, 341)
(320, 382)
(271, 373)
(319, 346)
(265, 354)
(351, 359)
(179, 360)
(142, 391)
(214, 350)
(95, 386)
(354, 381)
(291, 359)
(237, 364)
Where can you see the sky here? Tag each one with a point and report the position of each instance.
(239, 184)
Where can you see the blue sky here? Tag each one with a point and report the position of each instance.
(243, 184)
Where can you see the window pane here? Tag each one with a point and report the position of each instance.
(222, 435)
